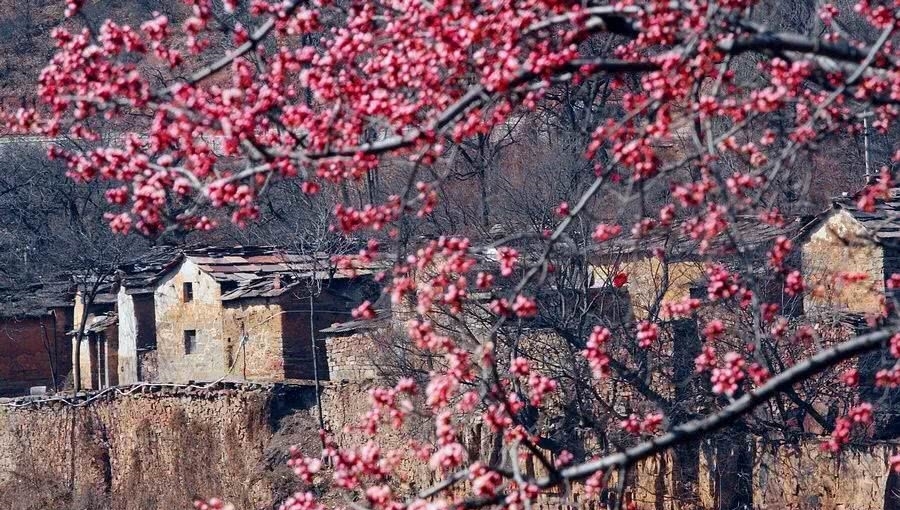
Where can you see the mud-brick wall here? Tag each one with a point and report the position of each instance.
(157, 450)
(36, 352)
(160, 450)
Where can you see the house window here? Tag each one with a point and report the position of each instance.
(188, 292)
(190, 341)
(698, 291)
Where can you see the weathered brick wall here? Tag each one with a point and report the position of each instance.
(34, 350)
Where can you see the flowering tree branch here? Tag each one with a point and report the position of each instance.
(646, 159)
(743, 405)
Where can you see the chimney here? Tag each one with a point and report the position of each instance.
(277, 283)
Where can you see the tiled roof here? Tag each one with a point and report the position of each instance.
(34, 300)
(99, 323)
(266, 271)
(883, 222)
(247, 271)
(102, 322)
(350, 327)
(141, 274)
(242, 263)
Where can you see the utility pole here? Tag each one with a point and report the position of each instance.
(312, 338)
(866, 147)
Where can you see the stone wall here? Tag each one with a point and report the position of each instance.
(258, 323)
(279, 335)
(841, 244)
(648, 275)
(810, 479)
(202, 314)
(352, 357)
(153, 450)
(160, 448)
(782, 476)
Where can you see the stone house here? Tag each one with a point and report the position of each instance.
(847, 239)
(136, 307)
(681, 272)
(250, 313)
(34, 349)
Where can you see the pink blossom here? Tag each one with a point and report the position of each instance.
(595, 354)
(706, 360)
(725, 379)
(508, 258)
(605, 232)
(895, 463)
(647, 334)
(520, 367)
(540, 386)
(485, 482)
(524, 307)
(850, 377)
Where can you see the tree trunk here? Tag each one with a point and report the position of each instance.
(87, 303)
(686, 457)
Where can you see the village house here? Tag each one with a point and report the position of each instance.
(849, 255)
(846, 239)
(35, 354)
(136, 307)
(667, 266)
(249, 313)
(204, 314)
